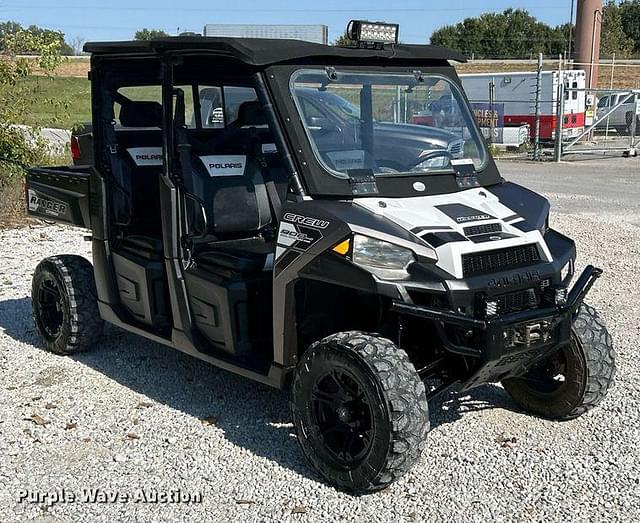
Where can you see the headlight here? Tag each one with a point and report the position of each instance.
(382, 258)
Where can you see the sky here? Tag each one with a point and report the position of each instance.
(119, 19)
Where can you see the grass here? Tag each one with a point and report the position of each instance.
(72, 97)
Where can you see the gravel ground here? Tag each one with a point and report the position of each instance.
(132, 416)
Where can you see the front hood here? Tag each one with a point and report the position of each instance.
(416, 132)
(465, 222)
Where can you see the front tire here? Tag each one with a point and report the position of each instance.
(360, 411)
(65, 305)
(573, 379)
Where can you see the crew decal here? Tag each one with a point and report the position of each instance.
(146, 156)
(46, 205)
(305, 220)
(296, 234)
(224, 164)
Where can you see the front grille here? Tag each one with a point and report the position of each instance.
(488, 228)
(518, 301)
(498, 260)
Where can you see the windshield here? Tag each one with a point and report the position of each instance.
(385, 123)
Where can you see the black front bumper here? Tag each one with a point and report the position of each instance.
(510, 343)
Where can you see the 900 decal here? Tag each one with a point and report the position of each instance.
(299, 237)
(296, 236)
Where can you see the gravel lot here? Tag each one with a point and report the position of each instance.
(134, 415)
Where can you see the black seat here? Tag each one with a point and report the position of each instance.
(244, 256)
(238, 213)
(229, 178)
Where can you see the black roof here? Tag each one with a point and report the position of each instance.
(262, 52)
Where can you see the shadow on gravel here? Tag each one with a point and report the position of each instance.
(252, 416)
(452, 406)
(16, 320)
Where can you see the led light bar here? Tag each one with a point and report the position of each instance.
(372, 33)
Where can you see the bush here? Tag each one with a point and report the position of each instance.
(11, 200)
(21, 146)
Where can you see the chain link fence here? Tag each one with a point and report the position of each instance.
(522, 111)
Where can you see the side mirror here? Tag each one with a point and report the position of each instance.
(322, 125)
(319, 123)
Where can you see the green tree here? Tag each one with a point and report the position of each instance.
(24, 45)
(150, 34)
(343, 40)
(20, 145)
(514, 33)
(614, 38)
(630, 15)
(6, 29)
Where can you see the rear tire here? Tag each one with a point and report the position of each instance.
(629, 120)
(65, 305)
(360, 410)
(586, 366)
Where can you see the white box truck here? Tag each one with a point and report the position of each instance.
(517, 91)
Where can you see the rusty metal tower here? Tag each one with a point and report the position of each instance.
(588, 24)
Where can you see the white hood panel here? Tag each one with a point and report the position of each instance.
(440, 221)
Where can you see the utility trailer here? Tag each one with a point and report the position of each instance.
(517, 91)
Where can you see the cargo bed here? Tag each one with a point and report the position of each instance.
(59, 194)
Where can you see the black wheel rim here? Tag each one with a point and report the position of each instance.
(50, 308)
(343, 418)
(550, 375)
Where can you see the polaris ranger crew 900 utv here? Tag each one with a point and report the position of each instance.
(267, 206)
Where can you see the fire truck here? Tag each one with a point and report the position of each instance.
(515, 94)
